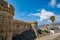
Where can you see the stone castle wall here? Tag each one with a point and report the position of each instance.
(9, 26)
(6, 25)
(20, 26)
(6, 20)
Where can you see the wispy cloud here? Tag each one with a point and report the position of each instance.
(52, 3)
(57, 18)
(58, 5)
(35, 14)
(21, 13)
(38, 10)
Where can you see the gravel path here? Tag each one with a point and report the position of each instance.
(50, 37)
(57, 38)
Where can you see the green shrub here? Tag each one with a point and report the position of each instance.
(46, 31)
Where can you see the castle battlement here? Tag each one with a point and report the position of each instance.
(4, 6)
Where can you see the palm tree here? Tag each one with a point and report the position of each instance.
(52, 18)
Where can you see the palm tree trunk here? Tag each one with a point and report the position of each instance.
(53, 25)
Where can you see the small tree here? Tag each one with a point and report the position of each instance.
(39, 31)
(52, 18)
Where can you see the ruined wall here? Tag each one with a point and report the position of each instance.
(6, 20)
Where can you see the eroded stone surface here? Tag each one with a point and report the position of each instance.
(6, 25)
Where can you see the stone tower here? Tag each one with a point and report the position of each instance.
(6, 20)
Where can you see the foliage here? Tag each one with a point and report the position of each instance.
(40, 31)
(52, 18)
(46, 31)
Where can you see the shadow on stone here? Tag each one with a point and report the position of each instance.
(27, 35)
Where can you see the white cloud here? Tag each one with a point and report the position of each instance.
(52, 3)
(49, 21)
(38, 20)
(57, 18)
(58, 5)
(43, 14)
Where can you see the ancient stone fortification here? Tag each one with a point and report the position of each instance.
(6, 20)
(9, 26)
(21, 26)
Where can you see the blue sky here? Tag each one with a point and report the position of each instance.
(36, 10)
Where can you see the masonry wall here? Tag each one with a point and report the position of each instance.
(20, 27)
(6, 25)
(6, 20)
(9, 26)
